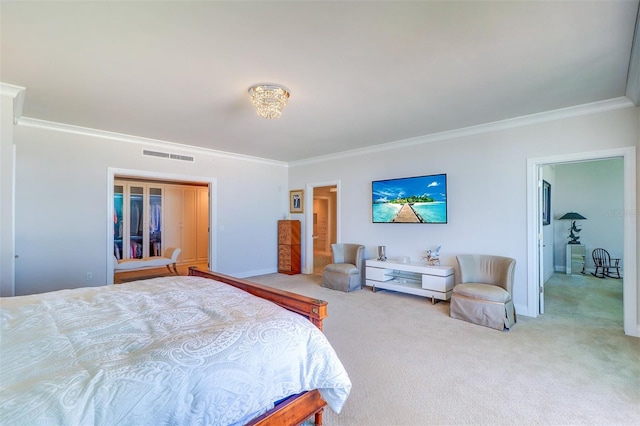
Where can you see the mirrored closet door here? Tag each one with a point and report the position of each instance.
(137, 220)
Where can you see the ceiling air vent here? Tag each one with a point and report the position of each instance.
(181, 157)
(167, 155)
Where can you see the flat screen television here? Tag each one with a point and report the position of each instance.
(420, 199)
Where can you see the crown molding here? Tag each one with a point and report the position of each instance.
(160, 144)
(633, 74)
(526, 120)
(17, 93)
(10, 90)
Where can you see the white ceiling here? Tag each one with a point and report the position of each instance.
(360, 73)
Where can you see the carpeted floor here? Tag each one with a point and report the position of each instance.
(320, 260)
(410, 364)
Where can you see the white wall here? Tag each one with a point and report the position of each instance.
(595, 190)
(61, 187)
(6, 198)
(486, 186)
(62, 204)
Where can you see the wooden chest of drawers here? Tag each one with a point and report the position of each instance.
(289, 247)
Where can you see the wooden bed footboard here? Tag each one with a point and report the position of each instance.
(293, 411)
(297, 408)
(313, 309)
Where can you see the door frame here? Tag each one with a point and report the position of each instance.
(308, 219)
(629, 286)
(143, 174)
(540, 248)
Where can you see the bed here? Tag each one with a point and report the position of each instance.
(203, 349)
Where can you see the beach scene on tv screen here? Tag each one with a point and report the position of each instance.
(421, 199)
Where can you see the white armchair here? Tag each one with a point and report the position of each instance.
(483, 295)
(346, 272)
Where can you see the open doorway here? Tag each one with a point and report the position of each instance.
(199, 190)
(324, 225)
(535, 232)
(592, 193)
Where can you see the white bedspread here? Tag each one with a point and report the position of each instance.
(171, 350)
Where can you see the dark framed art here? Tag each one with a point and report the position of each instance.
(296, 201)
(546, 203)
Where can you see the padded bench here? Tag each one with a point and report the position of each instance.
(169, 259)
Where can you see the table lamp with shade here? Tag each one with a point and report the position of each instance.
(573, 216)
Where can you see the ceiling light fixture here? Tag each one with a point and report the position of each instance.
(269, 99)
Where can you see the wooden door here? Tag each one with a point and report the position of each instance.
(189, 224)
(172, 230)
(321, 224)
(202, 234)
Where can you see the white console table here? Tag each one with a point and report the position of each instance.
(575, 258)
(435, 282)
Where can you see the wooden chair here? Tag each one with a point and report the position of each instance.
(604, 264)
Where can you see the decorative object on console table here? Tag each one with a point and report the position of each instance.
(382, 256)
(573, 230)
(289, 247)
(432, 256)
(435, 282)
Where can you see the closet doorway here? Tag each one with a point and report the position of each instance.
(324, 225)
(152, 212)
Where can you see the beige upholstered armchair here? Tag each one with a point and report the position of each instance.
(484, 294)
(346, 272)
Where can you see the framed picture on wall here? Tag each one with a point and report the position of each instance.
(546, 203)
(296, 203)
